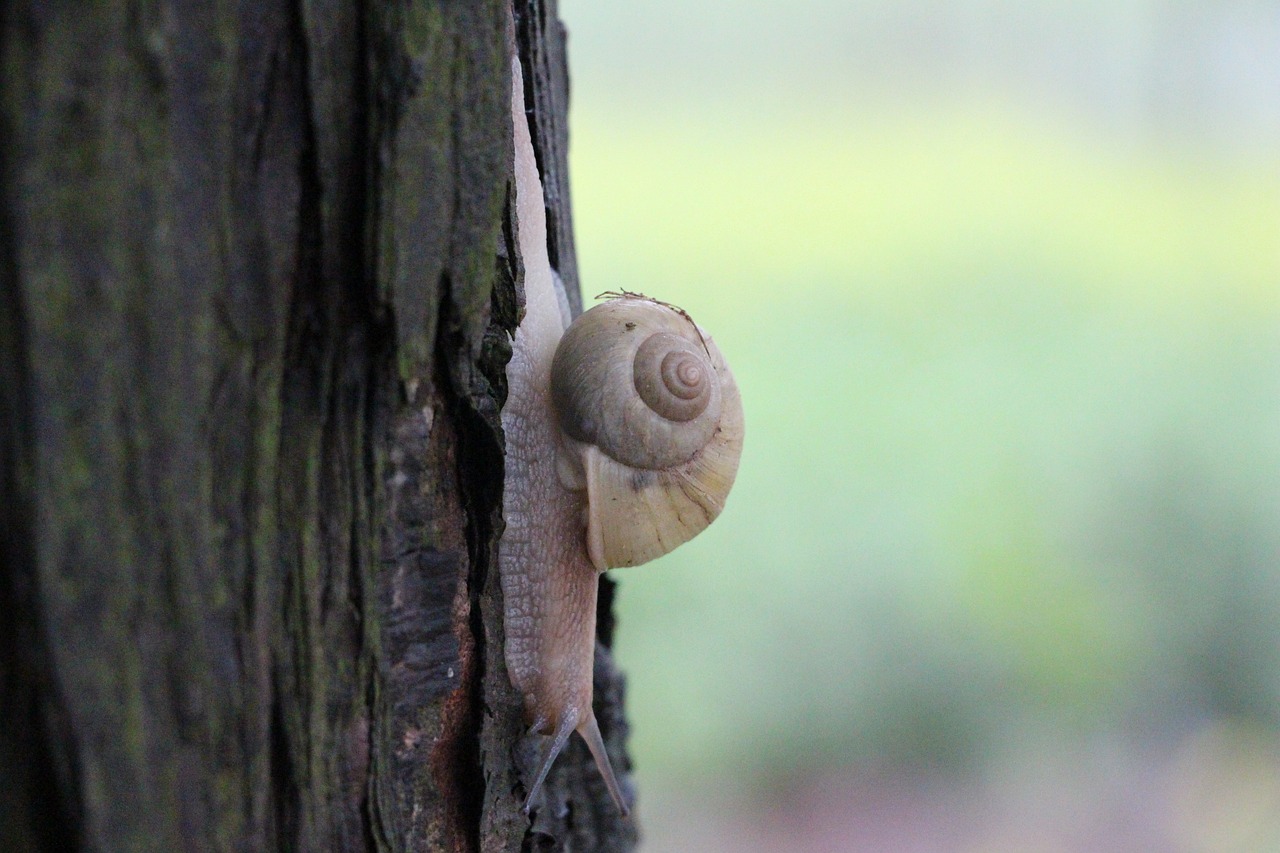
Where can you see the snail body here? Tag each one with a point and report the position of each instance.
(623, 431)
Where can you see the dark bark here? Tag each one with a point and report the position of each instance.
(256, 280)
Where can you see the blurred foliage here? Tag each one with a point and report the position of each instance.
(1012, 380)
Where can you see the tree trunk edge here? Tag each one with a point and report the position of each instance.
(579, 814)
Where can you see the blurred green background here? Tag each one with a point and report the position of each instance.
(1000, 283)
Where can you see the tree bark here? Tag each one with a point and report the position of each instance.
(257, 282)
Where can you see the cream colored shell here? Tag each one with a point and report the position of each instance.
(653, 427)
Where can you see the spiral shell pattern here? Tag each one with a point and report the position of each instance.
(672, 380)
(655, 421)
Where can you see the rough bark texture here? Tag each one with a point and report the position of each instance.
(256, 280)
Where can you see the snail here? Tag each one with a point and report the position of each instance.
(623, 433)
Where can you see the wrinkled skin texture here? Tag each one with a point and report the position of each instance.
(548, 582)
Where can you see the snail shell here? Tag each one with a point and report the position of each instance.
(653, 427)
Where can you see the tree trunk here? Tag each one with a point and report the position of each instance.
(257, 281)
